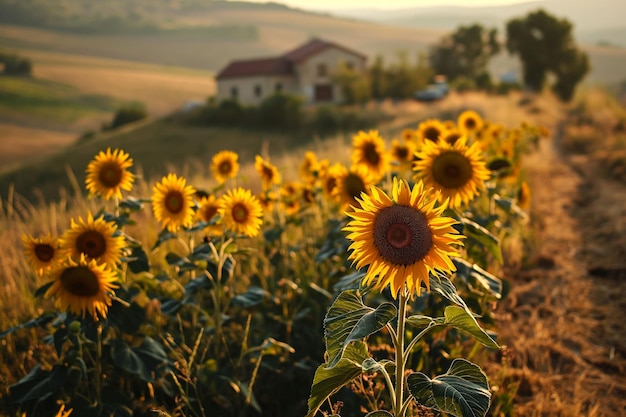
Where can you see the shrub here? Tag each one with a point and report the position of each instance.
(128, 114)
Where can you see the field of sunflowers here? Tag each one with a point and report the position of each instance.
(365, 288)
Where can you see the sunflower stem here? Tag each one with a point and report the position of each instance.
(98, 381)
(400, 360)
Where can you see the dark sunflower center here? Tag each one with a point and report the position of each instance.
(354, 186)
(240, 213)
(470, 123)
(174, 201)
(371, 154)
(432, 133)
(330, 184)
(402, 235)
(110, 175)
(80, 281)
(225, 167)
(308, 196)
(452, 138)
(452, 170)
(91, 243)
(402, 153)
(44, 252)
(268, 173)
(208, 213)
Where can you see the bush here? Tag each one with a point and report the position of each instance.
(16, 65)
(128, 114)
(281, 111)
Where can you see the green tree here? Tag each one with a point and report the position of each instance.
(354, 84)
(545, 46)
(378, 83)
(464, 53)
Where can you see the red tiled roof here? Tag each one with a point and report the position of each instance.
(282, 65)
(313, 47)
(263, 66)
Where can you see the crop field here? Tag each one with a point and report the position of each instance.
(242, 286)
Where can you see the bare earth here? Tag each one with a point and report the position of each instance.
(564, 322)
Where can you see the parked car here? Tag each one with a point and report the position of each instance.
(432, 92)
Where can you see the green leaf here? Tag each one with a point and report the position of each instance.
(441, 284)
(349, 320)
(138, 260)
(481, 235)
(38, 384)
(124, 357)
(164, 236)
(509, 205)
(459, 318)
(463, 391)
(420, 321)
(252, 297)
(472, 272)
(327, 381)
(42, 290)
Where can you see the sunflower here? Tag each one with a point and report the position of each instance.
(351, 184)
(368, 150)
(108, 175)
(268, 172)
(289, 197)
(172, 202)
(267, 199)
(225, 165)
(457, 171)
(310, 168)
(82, 286)
(42, 252)
(331, 179)
(409, 135)
(208, 208)
(402, 238)
(430, 130)
(402, 152)
(523, 196)
(241, 212)
(451, 135)
(95, 238)
(470, 122)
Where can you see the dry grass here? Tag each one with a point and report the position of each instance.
(21, 143)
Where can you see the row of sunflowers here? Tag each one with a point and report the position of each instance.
(231, 310)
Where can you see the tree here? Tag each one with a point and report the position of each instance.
(465, 53)
(545, 46)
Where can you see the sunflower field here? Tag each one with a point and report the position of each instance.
(358, 286)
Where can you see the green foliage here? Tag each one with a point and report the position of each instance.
(13, 64)
(465, 53)
(545, 45)
(353, 84)
(462, 391)
(128, 114)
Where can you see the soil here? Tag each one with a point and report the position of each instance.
(564, 320)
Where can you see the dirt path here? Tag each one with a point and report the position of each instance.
(564, 321)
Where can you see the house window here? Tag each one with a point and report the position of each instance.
(234, 92)
(278, 88)
(321, 70)
(258, 91)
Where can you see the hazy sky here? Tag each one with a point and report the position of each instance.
(382, 4)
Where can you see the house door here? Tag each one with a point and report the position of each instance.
(323, 92)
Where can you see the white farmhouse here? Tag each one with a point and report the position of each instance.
(306, 71)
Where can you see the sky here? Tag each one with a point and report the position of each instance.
(387, 5)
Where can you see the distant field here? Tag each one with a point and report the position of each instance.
(70, 94)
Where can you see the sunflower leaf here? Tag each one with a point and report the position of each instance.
(484, 237)
(459, 318)
(472, 272)
(327, 381)
(463, 391)
(349, 320)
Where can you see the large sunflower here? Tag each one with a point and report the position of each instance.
(457, 171)
(225, 165)
(208, 208)
(108, 175)
(368, 150)
(351, 184)
(241, 212)
(402, 238)
(95, 238)
(82, 286)
(470, 122)
(268, 172)
(42, 252)
(172, 202)
(430, 130)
